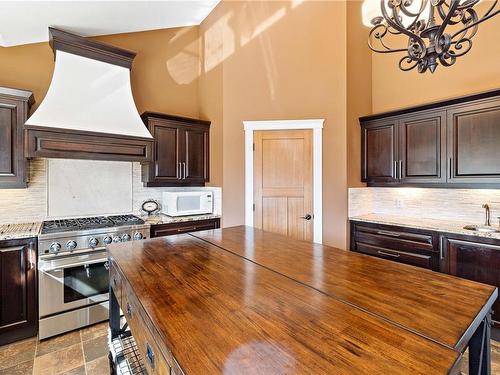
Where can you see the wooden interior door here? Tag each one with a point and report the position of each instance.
(283, 181)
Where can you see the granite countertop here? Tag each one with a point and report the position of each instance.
(165, 219)
(447, 226)
(18, 231)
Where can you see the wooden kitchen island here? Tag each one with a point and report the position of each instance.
(242, 301)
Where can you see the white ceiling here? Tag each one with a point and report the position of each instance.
(23, 22)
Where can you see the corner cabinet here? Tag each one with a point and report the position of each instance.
(14, 109)
(180, 151)
(476, 259)
(18, 288)
(447, 144)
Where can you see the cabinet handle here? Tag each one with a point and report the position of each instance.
(129, 310)
(388, 233)
(179, 171)
(151, 356)
(441, 254)
(388, 254)
(395, 170)
(400, 169)
(185, 169)
(451, 168)
(31, 258)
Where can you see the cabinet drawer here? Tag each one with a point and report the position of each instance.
(150, 352)
(419, 260)
(183, 227)
(394, 239)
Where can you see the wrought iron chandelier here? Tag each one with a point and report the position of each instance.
(437, 31)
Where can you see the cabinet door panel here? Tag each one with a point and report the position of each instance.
(473, 138)
(166, 152)
(18, 304)
(196, 154)
(13, 285)
(474, 261)
(423, 148)
(379, 152)
(7, 140)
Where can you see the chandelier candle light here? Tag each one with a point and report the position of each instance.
(438, 31)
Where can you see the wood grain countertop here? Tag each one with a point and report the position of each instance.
(441, 307)
(220, 312)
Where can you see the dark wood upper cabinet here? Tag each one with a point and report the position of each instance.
(422, 148)
(477, 261)
(18, 304)
(453, 143)
(180, 152)
(14, 108)
(379, 148)
(473, 142)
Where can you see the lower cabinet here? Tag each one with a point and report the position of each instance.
(467, 258)
(169, 229)
(18, 288)
(415, 247)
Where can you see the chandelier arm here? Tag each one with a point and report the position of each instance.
(401, 29)
(453, 6)
(481, 20)
(379, 37)
(468, 4)
(409, 13)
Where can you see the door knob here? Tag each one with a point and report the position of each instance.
(307, 217)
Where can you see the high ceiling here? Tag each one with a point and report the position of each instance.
(24, 22)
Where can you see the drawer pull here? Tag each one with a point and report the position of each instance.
(129, 310)
(394, 255)
(388, 233)
(151, 356)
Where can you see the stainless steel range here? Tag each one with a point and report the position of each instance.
(73, 277)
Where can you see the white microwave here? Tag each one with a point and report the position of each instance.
(182, 203)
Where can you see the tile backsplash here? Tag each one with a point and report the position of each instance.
(26, 205)
(448, 204)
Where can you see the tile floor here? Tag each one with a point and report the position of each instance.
(85, 352)
(82, 352)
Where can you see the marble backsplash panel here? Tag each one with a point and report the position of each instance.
(446, 204)
(30, 204)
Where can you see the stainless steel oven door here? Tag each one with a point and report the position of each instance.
(74, 281)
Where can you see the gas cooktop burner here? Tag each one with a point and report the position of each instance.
(85, 223)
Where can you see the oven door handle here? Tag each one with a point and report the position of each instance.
(70, 265)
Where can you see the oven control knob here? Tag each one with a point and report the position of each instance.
(71, 245)
(107, 240)
(126, 237)
(116, 239)
(138, 236)
(93, 242)
(54, 247)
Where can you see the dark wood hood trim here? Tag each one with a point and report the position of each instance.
(61, 40)
(48, 142)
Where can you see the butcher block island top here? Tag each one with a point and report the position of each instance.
(242, 301)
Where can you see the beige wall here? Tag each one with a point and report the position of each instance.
(279, 60)
(359, 88)
(478, 70)
(164, 74)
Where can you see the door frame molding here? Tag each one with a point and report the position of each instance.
(316, 125)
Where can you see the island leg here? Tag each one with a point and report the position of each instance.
(114, 315)
(480, 349)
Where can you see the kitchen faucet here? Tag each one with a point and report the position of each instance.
(487, 218)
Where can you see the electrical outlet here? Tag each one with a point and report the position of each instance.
(400, 203)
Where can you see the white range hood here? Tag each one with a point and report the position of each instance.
(89, 111)
(89, 95)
